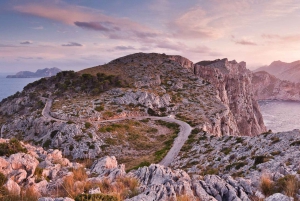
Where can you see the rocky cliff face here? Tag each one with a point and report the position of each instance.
(233, 83)
(268, 87)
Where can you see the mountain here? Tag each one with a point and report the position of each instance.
(145, 127)
(283, 71)
(269, 87)
(47, 72)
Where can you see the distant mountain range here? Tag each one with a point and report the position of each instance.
(283, 70)
(47, 72)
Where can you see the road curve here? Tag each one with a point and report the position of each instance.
(185, 130)
(47, 108)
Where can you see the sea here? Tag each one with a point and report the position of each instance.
(280, 115)
(9, 86)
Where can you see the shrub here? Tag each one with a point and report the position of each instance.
(260, 159)
(71, 147)
(99, 108)
(53, 133)
(47, 144)
(87, 125)
(296, 143)
(226, 150)
(3, 179)
(39, 174)
(210, 171)
(266, 185)
(95, 197)
(11, 147)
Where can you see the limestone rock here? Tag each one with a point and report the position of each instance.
(12, 187)
(23, 161)
(278, 197)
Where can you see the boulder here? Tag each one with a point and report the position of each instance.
(279, 197)
(12, 187)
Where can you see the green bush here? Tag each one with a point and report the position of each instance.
(47, 144)
(95, 197)
(53, 133)
(12, 147)
(3, 179)
(87, 125)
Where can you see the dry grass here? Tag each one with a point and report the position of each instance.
(187, 198)
(122, 188)
(266, 185)
(74, 184)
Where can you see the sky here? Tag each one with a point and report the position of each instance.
(77, 34)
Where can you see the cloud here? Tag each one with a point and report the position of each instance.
(96, 26)
(72, 44)
(26, 42)
(59, 12)
(29, 58)
(244, 42)
(124, 48)
(38, 28)
(285, 38)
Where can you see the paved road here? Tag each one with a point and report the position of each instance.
(185, 130)
(47, 108)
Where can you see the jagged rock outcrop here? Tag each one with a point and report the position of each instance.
(268, 87)
(233, 82)
(159, 183)
(148, 100)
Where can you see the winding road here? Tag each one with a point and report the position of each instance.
(185, 130)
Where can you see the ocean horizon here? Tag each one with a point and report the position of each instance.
(10, 86)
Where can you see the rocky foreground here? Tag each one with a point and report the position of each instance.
(36, 174)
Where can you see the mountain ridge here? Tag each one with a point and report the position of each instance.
(283, 70)
(40, 73)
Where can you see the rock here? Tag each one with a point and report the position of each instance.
(104, 163)
(18, 175)
(4, 166)
(63, 199)
(149, 100)
(95, 191)
(23, 161)
(107, 167)
(12, 187)
(233, 83)
(162, 183)
(45, 199)
(278, 197)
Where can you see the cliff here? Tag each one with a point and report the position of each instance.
(268, 87)
(233, 82)
(47, 72)
(283, 71)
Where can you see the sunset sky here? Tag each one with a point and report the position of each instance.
(76, 34)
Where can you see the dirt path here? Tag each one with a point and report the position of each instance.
(185, 130)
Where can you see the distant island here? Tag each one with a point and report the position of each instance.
(47, 72)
